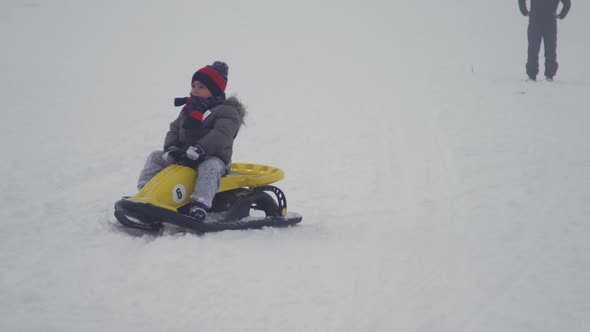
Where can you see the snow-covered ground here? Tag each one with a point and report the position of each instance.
(440, 191)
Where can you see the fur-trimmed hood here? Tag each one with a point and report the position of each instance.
(234, 102)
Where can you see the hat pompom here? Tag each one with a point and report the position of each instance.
(221, 67)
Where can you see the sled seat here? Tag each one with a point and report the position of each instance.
(250, 175)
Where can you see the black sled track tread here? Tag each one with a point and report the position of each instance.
(181, 220)
(243, 224)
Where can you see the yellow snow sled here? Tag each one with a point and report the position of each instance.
(247, 187)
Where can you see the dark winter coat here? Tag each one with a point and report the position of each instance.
(217, 133)
(544, 11)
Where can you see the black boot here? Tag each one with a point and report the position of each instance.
(197, 211)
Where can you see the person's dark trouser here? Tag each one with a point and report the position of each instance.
(548, 33)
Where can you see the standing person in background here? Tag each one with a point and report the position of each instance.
(543, 26)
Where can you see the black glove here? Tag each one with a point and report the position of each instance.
(195, 152)
(172, 153)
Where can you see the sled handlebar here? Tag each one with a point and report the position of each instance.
(184, 160)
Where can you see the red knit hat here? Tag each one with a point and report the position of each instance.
(214, 77)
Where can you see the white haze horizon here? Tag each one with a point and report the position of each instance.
(439, 190)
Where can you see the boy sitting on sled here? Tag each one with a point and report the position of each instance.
(205, 131)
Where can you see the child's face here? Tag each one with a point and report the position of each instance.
(199, 90)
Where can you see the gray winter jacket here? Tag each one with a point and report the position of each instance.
(217, 134)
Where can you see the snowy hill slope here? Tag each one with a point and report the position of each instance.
(440, 192)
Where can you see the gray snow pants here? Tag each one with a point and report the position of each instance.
(210, 172)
